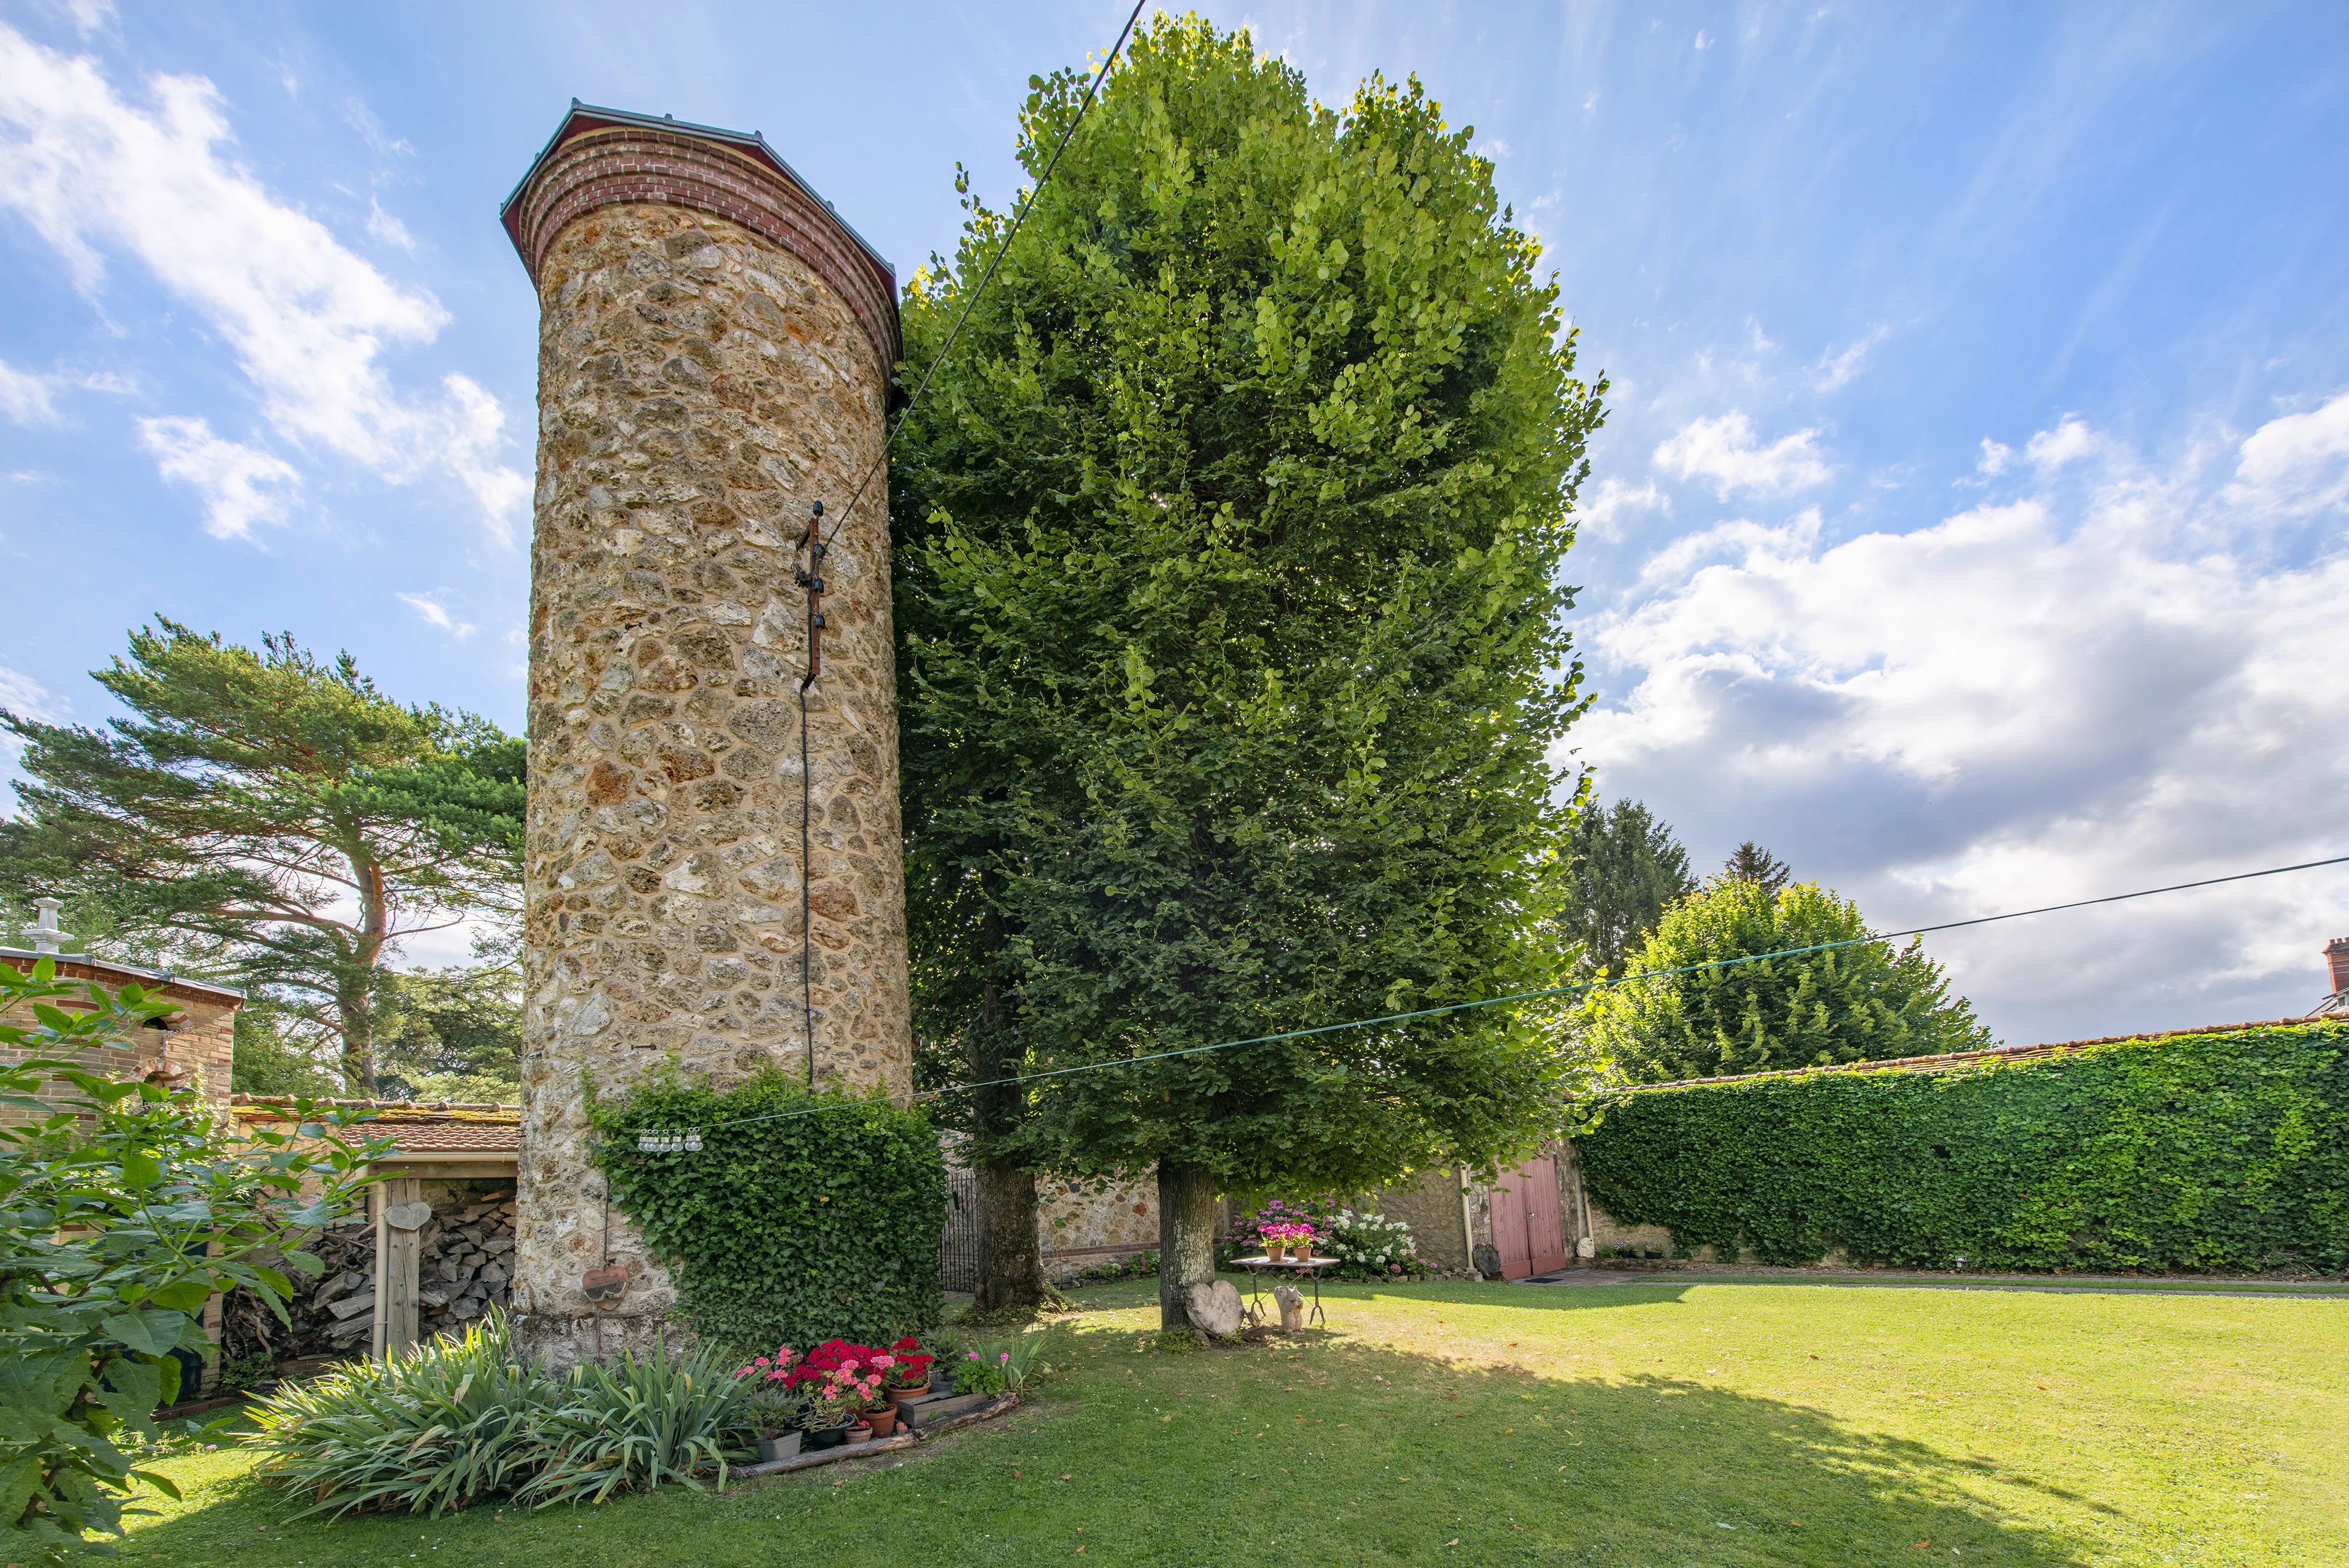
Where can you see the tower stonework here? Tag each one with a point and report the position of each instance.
(715, 349)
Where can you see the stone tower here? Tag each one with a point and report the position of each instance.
(715, 351)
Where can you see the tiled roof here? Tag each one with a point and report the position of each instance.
(417, 1127)
(1971, 1058)
(81, 966)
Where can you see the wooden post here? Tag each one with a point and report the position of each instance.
(398, 1254)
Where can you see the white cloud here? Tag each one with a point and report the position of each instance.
(1838, 367)
(90, 15)
(1703, 39)
(24, 397)
(2081, 690)
(1726, 452)
(27, 699)
(388, 229)
(308, 320)
(1602, 513)
(241, 485)
(2297, 464)
(432, 611)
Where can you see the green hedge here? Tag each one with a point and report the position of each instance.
(791, 1230)
(2226, 1151)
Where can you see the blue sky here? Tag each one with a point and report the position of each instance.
(1968, 523)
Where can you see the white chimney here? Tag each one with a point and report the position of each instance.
(47, 937)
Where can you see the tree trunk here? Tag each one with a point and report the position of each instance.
(1010, 1258)
(1187, 1237)
(355, 1018)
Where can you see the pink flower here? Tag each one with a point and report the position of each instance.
(1003, 1355)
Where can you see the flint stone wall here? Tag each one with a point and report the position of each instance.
(698, 386)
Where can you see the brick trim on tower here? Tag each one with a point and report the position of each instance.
(609, 166)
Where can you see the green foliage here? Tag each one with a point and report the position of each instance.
(1749, 862)
(644, 1422)
(453, 1035)
(1676, 1018)
(430, 1428)
(1228, 581)
(267, 1057)
(1626, 870)
(452, 1422)
(2204, 1151)
(122, 1210)
(791, 1230)
(274, 813)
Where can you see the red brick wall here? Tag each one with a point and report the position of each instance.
(194, 1050)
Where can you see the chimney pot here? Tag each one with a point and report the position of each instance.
(2336, 952)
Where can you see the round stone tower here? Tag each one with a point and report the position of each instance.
(715, 350)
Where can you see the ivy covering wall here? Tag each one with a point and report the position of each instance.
(2224, 1151)
(788, 1230)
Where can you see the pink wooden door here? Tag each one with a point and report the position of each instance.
(1528, 1227)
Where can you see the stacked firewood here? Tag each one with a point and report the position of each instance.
(341, 1307)
(467, 1261)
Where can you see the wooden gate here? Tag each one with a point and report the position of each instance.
(1529, 1228)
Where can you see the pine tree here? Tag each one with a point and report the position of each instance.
(275, 812)
(1228, 552)
(1628, 869)
(1752, 863)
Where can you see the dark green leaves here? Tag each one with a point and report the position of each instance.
(1228, 553)
(2226, 1152)
(784, 1227)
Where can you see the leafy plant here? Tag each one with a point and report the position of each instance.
(784, 1227)
(2209, 1151)
(426, 1430)
(123, 1208)
(981, 1371)
(636, 1425)
(1371, 1243)
(770, 1410)
(1228, 565)
(1682, 1013)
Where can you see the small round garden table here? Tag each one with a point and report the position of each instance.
(1309, 1268)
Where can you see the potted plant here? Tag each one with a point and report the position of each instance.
(1275, 1241)
(909, 1371)
(774, 1416)
(840, 1383)
(774, 1407)
(1300, 1242)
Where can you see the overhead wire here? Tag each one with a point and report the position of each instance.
(1575, 988)
(971, 300)
(812, 577)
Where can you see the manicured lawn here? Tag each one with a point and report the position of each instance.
(1669, 1423)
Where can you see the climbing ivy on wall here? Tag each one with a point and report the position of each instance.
(791, 1230)
(2227, 1151)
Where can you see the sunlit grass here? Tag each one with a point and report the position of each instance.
(1675, 1422)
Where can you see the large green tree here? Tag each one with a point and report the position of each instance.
(1229, 543)
(1628, 869)
(1686, 1011)
(274, 812)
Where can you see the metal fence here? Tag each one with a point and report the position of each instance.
(958, 1245)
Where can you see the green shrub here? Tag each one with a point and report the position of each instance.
(788, 1230)
(636, 1425)
(426, 1431)
(2226, 1151)
(124, 1207)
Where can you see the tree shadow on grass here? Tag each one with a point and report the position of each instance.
(1520, 1467)
(1320, 1448)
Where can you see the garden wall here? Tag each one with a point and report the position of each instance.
(2216, 1151)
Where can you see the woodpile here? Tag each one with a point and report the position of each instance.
(467, 1261)
(340, 1310)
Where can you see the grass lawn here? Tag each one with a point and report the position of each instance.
(1675, 1422)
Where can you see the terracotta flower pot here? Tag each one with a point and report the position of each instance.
(884, 1421)
(896, 1394)
(862, 1432)
(1276, 1251)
